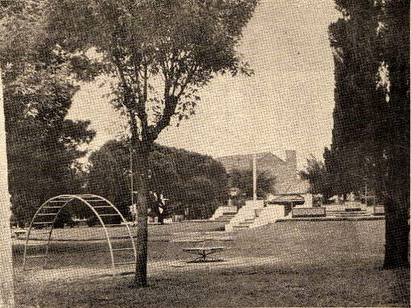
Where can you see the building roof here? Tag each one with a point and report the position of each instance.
(289, 199)
(294, 186)
(287, 180)
(244, 161)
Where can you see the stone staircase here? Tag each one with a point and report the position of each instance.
(226, 217)
(254, 215)
(244, 224)
(245, 216)
(224, 213)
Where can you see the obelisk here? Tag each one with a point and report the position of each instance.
(254, 177)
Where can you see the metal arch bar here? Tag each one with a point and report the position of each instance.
(122, 218)
(69, 198)
(82, 198)
(32, 222)
(79, 197)
(104, 228)
(52, 228)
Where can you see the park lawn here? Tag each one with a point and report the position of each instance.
(70, 244)
(283, 264)
(258, 286)
(156, 232)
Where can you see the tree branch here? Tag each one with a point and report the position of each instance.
(128, 96)
(171, 102)
(168, 111)
(135, 141)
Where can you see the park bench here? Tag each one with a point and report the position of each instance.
(308, 212)
(203, 253)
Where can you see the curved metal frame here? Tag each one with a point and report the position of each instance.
(66, 199)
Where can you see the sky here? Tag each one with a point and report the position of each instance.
(286, 105)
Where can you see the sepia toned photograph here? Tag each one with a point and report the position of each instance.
(204, 153)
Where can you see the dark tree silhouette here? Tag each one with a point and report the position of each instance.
(188, 180)
(371, 117)
(42, 145)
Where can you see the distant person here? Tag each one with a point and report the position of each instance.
(133, 211)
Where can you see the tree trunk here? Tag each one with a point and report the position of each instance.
(396, 235)
(6, 259)
(142, 213)
(396, 208)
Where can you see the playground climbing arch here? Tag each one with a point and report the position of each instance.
(46, 216)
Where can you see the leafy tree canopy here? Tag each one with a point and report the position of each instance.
(176, 46)
(370, 143)
(42, 145)
(243, 180)
(157, 55)
(319, 177)
(186, 179)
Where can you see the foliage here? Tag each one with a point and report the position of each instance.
(243, 180)
(358, 101)
(371, 117)
(42, 145)
(318, 176)
(109, 174)
(157, 54)
(186, 179)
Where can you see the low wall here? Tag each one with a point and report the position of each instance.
(378, 210)
(309, 212)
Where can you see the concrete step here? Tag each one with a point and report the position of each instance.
(350, 213)
(241, 227)
(347, 213)
(346, 210)
(222, 219)
(226, 216)
(246, 223)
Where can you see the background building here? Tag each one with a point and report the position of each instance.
(285, 172)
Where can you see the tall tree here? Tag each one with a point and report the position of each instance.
(188, 180)
(319, 177)
(6, 257)
(42, 145)
(371, 117)
(159, 53)
(395, 53)
(355, 139)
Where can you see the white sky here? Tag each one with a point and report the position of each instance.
(286, 104)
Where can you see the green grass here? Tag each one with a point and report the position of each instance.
(284, 264)
(156, 232)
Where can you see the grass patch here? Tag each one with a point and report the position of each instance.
(288, 264)
(250, 286)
